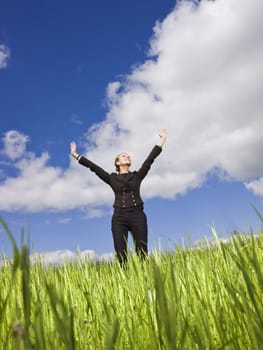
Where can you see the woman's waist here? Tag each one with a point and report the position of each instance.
(129, 209)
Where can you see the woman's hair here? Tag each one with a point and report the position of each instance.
(117, 167)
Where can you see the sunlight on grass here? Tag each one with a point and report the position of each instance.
(206, 297)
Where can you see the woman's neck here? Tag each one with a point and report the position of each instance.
(124, 170)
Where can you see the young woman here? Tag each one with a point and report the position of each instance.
(128, 215)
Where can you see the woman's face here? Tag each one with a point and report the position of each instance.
(124, 159)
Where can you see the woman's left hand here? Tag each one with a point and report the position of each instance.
(163, 136)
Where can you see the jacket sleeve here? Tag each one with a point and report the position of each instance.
(142, 172)
(101, 173)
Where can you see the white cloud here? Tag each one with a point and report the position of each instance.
(64, 221)
(14, 144)
(256, 186)
(59, 257)
(4, 56)
(96, 212)
(39, 186)
(203, 81)
(75, 119)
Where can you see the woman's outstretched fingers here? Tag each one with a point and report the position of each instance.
(73, 147)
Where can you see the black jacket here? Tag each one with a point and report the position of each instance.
(126, 187)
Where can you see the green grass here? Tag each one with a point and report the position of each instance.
(192, 298)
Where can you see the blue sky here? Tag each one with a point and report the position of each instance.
(109, 74)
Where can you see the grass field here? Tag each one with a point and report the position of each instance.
(207, 297)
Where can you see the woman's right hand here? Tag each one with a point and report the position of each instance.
(73, 148)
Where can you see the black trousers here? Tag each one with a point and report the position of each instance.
(131, 220)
